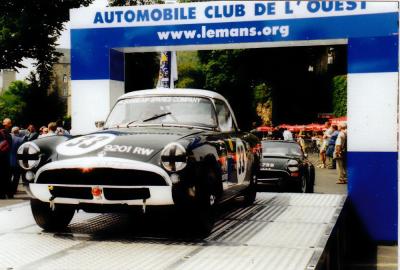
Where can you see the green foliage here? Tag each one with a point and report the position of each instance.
(189, 70)
(231, 73)
(262, 93)
(27, 103)
(263, 103)
(13, 101)
(31, 28)
(339, 96)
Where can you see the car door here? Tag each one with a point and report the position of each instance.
(237, 159)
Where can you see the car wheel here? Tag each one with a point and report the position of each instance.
(311, 181)
(302, 185)
(251, 192)
(51, 219)
(205, 202)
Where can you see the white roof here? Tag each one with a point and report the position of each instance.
(178, 92)
(174, 91)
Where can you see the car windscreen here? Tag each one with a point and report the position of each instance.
(175, 110)
(281, 149)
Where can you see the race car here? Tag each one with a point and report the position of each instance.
(178, 147)
(284, 164)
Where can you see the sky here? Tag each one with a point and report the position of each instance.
(64, 42)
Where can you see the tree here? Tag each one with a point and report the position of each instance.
(12, 101)
(25, 104)
(190, 70)
(340, 95)
(263, 103)
(30, 29)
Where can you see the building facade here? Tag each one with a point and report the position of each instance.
(62, 79)
(7, 76)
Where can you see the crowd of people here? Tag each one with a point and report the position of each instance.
(333, 150)
(11, 138)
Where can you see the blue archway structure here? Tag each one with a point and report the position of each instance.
(100, 37)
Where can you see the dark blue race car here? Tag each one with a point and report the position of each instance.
(283, 163)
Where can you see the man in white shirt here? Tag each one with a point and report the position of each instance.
(287, 135)
(325, 140)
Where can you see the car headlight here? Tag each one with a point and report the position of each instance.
(293, 165)
(28, 155)
(173, 157)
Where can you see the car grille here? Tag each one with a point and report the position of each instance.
(112, 194)
(101, 176)
(272, 174)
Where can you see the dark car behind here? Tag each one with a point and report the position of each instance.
(284, 164)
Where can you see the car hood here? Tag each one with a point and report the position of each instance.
(137, 143)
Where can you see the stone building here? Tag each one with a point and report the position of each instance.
(62, 78)
(7, 76)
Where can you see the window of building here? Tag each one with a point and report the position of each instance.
(65, 78)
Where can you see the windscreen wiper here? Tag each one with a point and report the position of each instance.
(156, 116)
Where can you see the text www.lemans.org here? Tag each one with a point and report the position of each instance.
(282, 30)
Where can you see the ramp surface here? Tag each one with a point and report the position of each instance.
(280, 231)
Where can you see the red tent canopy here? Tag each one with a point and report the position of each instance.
(265, 129)
(315, 127)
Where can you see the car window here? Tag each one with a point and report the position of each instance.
(224, 116)
(185, 110)
(281, 149)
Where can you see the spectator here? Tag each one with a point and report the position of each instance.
(287, 135)
(325, 138)
(50, 130)
(340, 154)
(43, 132)
(331, 147)
(14, 168)
(277, 134)
(60, 128)
(5, 146)
(31, 133)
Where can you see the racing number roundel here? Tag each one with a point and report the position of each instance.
(84, 144)
(241, 165)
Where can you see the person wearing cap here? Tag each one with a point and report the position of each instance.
(340, 154)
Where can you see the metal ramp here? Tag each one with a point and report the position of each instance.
(280, 231)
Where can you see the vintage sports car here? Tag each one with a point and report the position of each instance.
(284, 163)
(177, 147)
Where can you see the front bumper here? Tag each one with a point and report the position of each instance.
(276, 177)
(80, 192)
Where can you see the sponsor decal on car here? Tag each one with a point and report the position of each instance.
(128, 149)
(84, 144)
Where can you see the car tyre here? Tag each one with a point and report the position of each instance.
(51, 219)
(302, 185)
(250, 193)
(311, 180)
(205, 202)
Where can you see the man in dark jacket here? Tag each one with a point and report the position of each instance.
(31, 133)
(5, 148)
(17, 141)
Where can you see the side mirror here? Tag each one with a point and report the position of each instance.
(99, 124)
